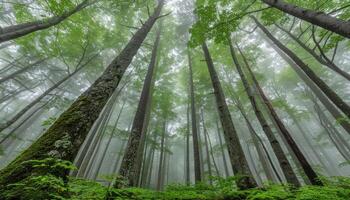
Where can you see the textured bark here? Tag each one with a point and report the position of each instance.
(317, 91)
(35, 101)
(315, 17)
(24, 69)
(196, 155)
(310, 173)
(238, 160)
(326, 62)
(19, 30)
(74, 124)
(308, 71)
(282, 159)
(130, 168)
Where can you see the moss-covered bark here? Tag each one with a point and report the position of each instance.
(64, 138)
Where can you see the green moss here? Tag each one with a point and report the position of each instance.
(46, 182)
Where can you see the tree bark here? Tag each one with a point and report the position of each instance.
(318, 18)
(73, 125)
(282, 159)
(238, 161)
(19, 30)
(308, 71)
(130, 169)
(310, 173)
(196, 155)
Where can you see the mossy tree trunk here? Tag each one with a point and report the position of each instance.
(64, 138)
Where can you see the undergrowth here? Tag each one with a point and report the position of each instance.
(46, 182)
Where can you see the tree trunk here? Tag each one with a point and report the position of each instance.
(308, 71)
(130, 169)
(328, 63)
(238, 160)
(196, 155)
(19, 30)
(310, 173)
(282, 159)
(74, 124)
(314, 17)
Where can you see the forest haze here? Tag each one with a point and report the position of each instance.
(175, 99)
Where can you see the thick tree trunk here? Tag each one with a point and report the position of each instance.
(238, 160)
(74, 124)
(314, 17)
(308, 71)
(130, 169)
(16, 31)
(196, 155)
(317, 91)
(282, 159)
(321, 60)
(310, 173)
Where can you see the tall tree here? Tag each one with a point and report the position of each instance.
(129, 168)
(282, 158)
(196, 155)
(19, 30)
(73, 125)
(238, 160)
